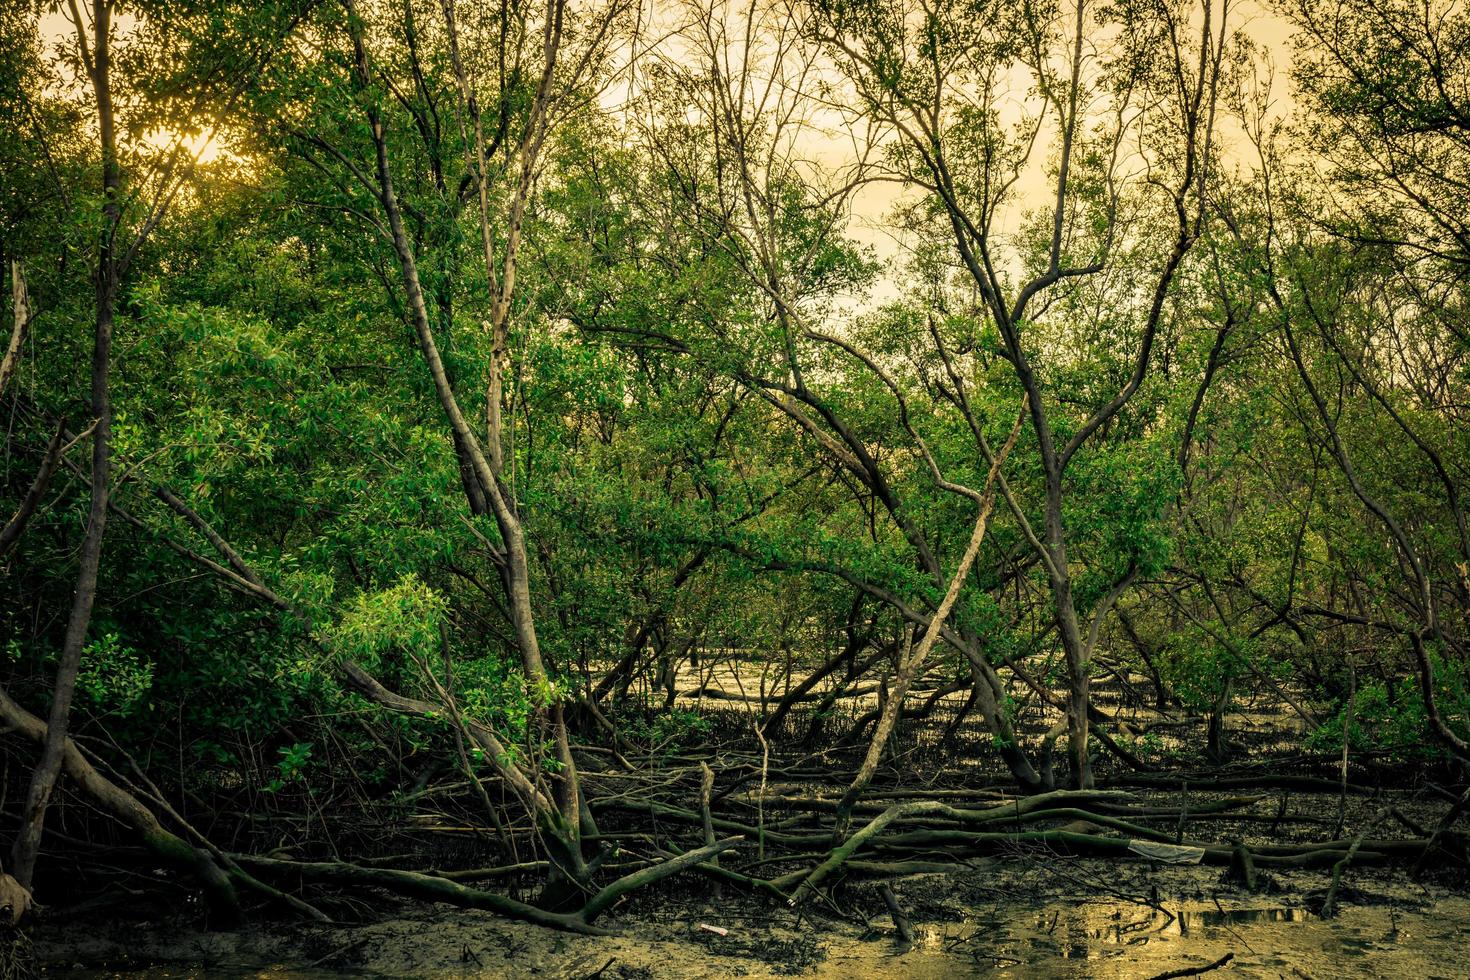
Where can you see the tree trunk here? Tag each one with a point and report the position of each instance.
(1079, 683)
(561, 825)
(43, 779)
(910, 663)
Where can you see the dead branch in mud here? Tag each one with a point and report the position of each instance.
(901, 924)
(1194, 971)
(1329, 902)
(848, 847)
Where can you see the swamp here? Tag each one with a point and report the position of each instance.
(641, 489)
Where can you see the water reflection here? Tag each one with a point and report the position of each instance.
(1230, 917)
(1099, 930)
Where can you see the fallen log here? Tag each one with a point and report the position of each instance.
(1197, 809)
(897, 869)
(1057, 800)
(436, 888)
(950, 842)
(656, 809)
(429, 888)
(1310, 784)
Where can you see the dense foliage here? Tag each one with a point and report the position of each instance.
(529, 361)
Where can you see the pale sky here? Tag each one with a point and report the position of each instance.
(873, 204)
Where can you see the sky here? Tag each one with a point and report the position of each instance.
(830, 147)
(873, 205)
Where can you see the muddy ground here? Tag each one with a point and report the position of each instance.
(1021, 916)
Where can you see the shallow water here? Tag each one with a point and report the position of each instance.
(1125, 940)
(1420, 939)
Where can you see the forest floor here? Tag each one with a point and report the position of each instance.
(1016, 916)
(1017, 912)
